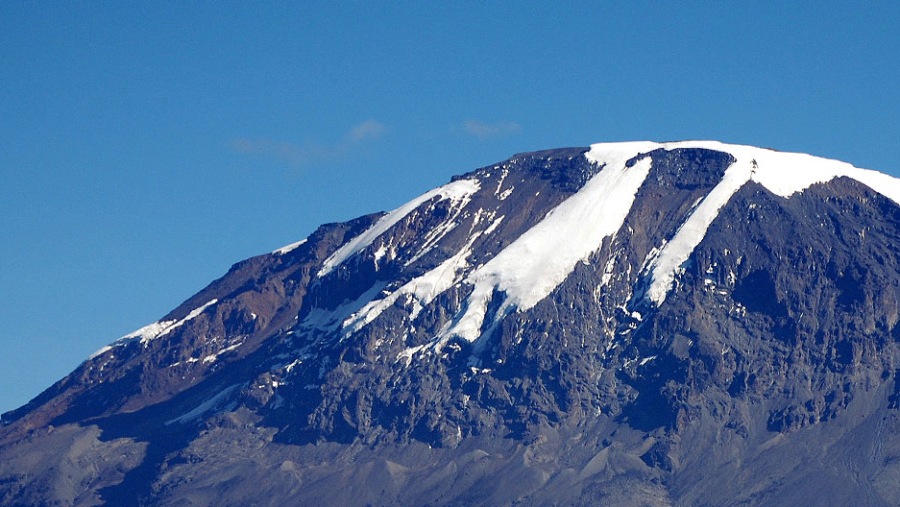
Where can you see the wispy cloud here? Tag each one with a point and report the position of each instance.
(484, 131)
(282, 151)
(302, 154)
(367, 130)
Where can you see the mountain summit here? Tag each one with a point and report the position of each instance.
(687, 323)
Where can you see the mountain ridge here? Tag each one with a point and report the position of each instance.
(644, 323)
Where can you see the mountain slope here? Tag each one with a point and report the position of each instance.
(633, 323)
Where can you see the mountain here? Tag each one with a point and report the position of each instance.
(688, 323)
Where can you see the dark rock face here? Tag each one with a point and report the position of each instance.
(769, 373)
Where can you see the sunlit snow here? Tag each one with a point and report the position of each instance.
(422, 289)
(533, 265)
(782, 173)
(459, 190)
(155, 330)
(288, 248)
(329, 320)
(538, 261)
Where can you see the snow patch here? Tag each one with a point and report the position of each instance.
(531, 267)
(459, 190)
(293, 365)
(156, 330)
(500, 183)
(782, 173)
(438, 233)
(207, 406)
(288, 248)
(191, 316)
(213, 357)
(423, 289)
(330, 320)
(675, 252)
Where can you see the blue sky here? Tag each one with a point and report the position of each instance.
(145, 147)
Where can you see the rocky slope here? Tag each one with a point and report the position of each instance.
(632, 324)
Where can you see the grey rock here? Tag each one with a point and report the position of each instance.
(770, 374)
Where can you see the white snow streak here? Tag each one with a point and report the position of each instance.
(213, 357)
(330, 320)
(675, 252)
(288, 248)
(206, 406)
(530, 268)
(459, 190)
(155, 330)
(422, 289)
(537, 262)
(194, 313)
(784, 174)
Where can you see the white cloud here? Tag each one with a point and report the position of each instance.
(369, 129)
(484, 131)
(298, 155)
(282, 151)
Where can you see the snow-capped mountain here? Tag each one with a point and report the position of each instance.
(636, 323)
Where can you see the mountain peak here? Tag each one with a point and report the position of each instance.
(587, 318)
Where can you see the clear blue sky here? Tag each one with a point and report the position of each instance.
(145, 147)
